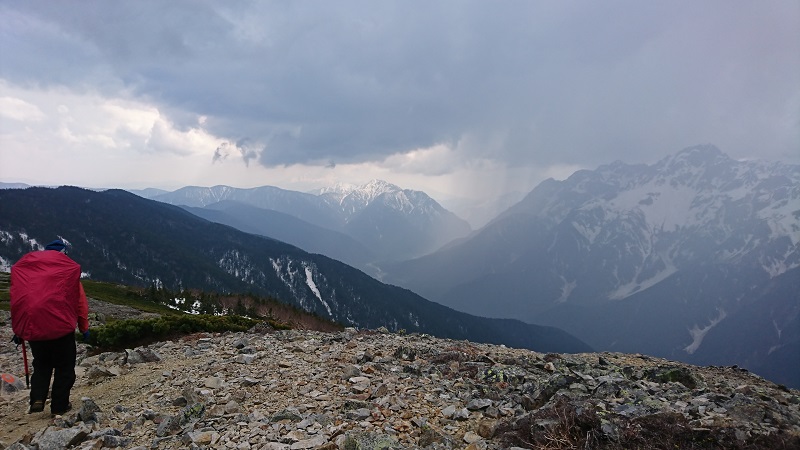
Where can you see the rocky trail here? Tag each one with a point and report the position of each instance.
(354, 389)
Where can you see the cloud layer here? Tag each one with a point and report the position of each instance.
(424, 89)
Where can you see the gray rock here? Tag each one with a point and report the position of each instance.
(449, 411)
(306, 377)
(203, 437)
(103, 432)
(213, 382)
(88, 411)
(98, 372)
(350, 371)
(169, 425)
(249, 381)
(470, 437)
(232, 407)
(18, 446)
(461, 414)
(191, 396)
(245, 359)
(113, 441)
(430, 436)
(369, 441)
(312, 442)
(478, 403)
(291, 414)
(57, 439)
(358, 414)
(141, 355)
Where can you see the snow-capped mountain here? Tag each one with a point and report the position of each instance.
(393, 223)
(640, 224)
(307, 207)
(657, 259)
(119, 237)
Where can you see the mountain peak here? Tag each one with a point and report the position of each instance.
(338, 188)
(707, 150)
(372, 188)
(688, 252)
(696, 156)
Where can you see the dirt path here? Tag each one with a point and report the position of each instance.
(15, 421)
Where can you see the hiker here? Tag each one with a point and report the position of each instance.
(47, 302)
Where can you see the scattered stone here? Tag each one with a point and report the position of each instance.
(213, 382)
(479, 403)
(369, 441)
(303, 389)
(245, 359)
(88, 411)
(97, 372)
(141, 355)
(470, 437)
(249, 381)
(486, 428)
(53, 438)
(291, 414)
(169, 425)
(405, 353)
(232, 407)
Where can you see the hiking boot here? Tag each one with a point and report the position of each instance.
(36, 406)
(61, 412)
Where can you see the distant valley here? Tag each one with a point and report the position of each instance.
(361, 225)
(694, 258)
(117, 236)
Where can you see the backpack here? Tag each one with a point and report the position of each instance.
(45, 295)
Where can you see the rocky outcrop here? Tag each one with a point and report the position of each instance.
(372, 389)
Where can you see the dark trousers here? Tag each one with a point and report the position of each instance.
(54, 358)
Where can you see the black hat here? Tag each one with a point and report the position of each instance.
(57, 245)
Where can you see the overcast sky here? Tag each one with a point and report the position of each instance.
(455, 98)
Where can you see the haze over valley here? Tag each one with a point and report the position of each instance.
(675, 259)
(560, 176)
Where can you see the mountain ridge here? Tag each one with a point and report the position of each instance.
(120, 237)
(572, 250)
(393, 223)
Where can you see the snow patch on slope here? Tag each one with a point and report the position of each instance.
(698, 333)
(635, 286)
(590, 233)
(665, 207)
(313, 286)
(566, 290)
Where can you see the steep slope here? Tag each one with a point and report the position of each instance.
(398, 223)
(289, 229)
(307, 207)
(393, 223)
(120, 237)
(652, 258)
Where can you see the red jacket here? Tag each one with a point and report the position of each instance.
(47, 298)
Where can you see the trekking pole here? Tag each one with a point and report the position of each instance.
(25, 359)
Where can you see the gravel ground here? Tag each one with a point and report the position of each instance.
(16, 422)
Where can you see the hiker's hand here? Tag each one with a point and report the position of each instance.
(86, 336)
(16, 340)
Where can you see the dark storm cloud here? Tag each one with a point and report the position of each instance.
(522, 82)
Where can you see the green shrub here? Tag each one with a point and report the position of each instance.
(135, 332)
